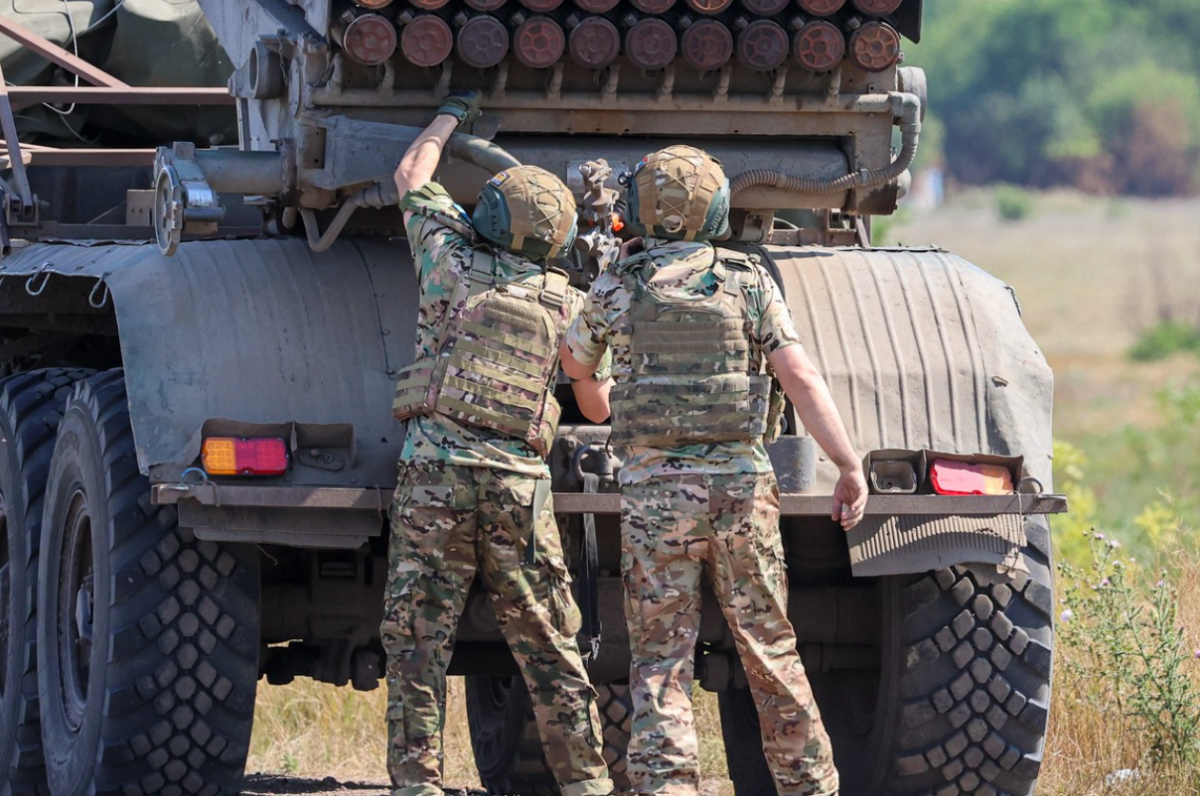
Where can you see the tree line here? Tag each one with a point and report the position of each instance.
(1102, 95)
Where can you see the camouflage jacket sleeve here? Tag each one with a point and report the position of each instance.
(770, 317)
(579, 301)
(436, 227)
(587, 337)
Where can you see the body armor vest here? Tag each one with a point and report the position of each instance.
(496, 359)
(695, 376)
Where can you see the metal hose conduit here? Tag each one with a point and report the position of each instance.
(471, 149)
(905, 107)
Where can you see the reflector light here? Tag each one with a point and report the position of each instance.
(374, 5)
(235, 456)
(951, 477)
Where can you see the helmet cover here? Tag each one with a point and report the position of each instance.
(528, 210)
(679, 193)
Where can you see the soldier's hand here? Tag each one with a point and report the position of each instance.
(462, 105)
(850, 498)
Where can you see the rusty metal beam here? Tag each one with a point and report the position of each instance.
(50, 156)
(8, 124)
(52, 52)
(23, 96)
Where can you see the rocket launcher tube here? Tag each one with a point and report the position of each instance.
(471, 149)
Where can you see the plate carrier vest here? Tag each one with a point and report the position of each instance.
(695, 377)
(497, 358)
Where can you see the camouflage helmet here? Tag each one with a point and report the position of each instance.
(679, 193)
(527, 210)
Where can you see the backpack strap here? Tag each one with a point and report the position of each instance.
(480, 276)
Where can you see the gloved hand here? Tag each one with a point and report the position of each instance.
(462, 105)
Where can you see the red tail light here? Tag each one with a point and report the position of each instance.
(234, 456)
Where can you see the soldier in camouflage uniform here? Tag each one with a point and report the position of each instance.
(694, 335)
(473, 495)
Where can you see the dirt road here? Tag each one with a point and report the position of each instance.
(274, 785)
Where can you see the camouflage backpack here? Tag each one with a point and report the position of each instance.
(695, 377)
(497, 358)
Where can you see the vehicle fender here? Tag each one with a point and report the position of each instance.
(922, 351)
(249, 333)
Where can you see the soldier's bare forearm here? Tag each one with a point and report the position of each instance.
(592, 398)
(421, 159)
(572, 366)
(814, 403)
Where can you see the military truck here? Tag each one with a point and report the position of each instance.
(199, 341)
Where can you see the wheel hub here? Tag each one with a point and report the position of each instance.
(5, 596)
(75, 608)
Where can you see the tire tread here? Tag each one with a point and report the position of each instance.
(31, 404)
(169, 730)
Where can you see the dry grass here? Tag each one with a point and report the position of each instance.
(1085, 745)
(318, 730)
(313, 729)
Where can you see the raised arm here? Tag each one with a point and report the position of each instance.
(814, 403)
(421, 158)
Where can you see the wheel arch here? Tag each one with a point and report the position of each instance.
(260, 333)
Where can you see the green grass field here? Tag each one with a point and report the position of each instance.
(1092, 275)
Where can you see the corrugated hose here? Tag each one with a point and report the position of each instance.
(906, 107)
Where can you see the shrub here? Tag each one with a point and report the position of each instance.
(1164, 339)
(1014, 203)
(1122, 643)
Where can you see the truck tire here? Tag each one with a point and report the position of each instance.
(959, 704)
(508, 750)
(30, 408)
(148, 637)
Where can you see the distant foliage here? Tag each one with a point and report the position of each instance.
(1103, 95)
(1013, 202)
(1071, 529)
(1165, 339)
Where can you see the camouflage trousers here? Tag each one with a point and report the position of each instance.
(449, 523)
(671, 529)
